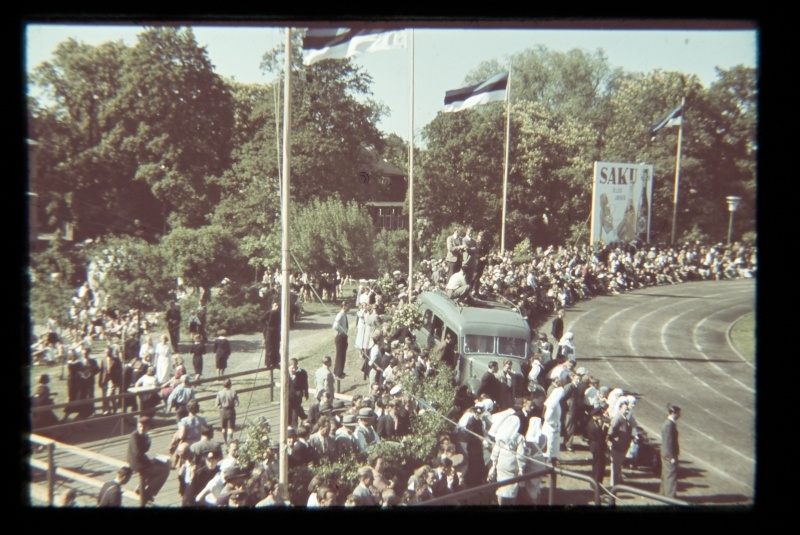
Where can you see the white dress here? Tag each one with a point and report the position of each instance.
(509, 459)
(163, 362)
(551, 428)
(361, 328)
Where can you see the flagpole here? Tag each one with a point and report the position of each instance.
(677, 172)
(411, 177)
(505, 164)
(285, 305)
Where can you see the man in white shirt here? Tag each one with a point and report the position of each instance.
(457, 287)
(340, 325)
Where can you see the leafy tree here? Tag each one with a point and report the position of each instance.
(135, 273)
(391, 251)
(202, 257)
(330, 235)
(333, 121)
(81, 178)
(55, 273)
(175, 116)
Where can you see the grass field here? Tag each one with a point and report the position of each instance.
(743, 335)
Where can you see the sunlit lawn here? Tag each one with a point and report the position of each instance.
(743, 335)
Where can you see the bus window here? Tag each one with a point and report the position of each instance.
(427, 319)
(514, 347)
(437, 325)
(453, 335)
(475, 343)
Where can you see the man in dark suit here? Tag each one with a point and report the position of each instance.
(490, 384)
(670, 450)
(596, 436)
(387, 425)
(173, 316)
(272, 337)
(153, 474)
(298, 391)
(301, 453)
(111, 492)
(524, 414)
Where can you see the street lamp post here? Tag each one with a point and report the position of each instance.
(733, 205)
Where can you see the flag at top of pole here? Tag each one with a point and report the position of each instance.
(675, 118)
(491, 90)
(341, 43)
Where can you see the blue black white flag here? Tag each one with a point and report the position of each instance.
(491, 90)
(673, 119)
(341, 43)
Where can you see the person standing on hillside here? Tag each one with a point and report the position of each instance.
(670, 450)
(340, 325)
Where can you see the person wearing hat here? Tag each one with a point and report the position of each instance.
(345, 438)
(222, 351)
(362, 492)
(365, 433)
(595, 433)
(574, 395)
(152, 473)
(670, 450)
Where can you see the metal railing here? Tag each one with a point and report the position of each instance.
(53, 471)
(116, 399)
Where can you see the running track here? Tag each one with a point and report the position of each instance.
(670, 344)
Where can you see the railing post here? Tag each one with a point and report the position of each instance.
(552, 490)
(142, 498)
(51, 473)
(271, 386)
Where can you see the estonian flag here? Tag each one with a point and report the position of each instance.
(673, 119)
(341, 43)
(491, 90)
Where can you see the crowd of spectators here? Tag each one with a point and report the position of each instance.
(553, 388)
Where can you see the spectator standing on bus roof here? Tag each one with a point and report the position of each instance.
(455, 250)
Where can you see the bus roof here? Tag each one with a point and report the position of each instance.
(485, 318)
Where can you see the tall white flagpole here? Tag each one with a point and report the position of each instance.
(677, 170)
(505, 163)
(411, 177)
(285, 305)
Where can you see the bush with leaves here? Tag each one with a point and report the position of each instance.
(407, 315)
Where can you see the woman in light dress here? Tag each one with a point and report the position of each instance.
(508, 458)
(163, 360)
